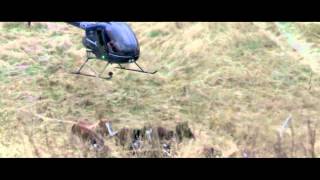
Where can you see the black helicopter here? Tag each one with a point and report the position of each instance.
(113, 42)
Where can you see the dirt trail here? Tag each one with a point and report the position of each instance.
(293, 46)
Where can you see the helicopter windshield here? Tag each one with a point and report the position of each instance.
(122, 37)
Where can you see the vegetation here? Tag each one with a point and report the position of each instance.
(233, 83)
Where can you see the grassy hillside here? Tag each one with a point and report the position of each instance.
(232, 82)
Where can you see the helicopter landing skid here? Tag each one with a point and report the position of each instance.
(96, 76)
(90, 75)
(136, 70)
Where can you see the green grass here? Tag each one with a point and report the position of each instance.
(156, 33)
(34, 70)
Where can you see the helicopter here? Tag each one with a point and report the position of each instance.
(112, 42)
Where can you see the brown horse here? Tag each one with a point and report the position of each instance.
(86, 132)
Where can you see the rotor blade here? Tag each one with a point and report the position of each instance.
(82, 25)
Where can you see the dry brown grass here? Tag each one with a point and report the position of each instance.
(231, 82)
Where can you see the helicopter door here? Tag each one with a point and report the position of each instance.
(100, 39)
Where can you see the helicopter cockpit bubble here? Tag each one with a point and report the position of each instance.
(123, 39)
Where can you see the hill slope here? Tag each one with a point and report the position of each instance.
(233, 83)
